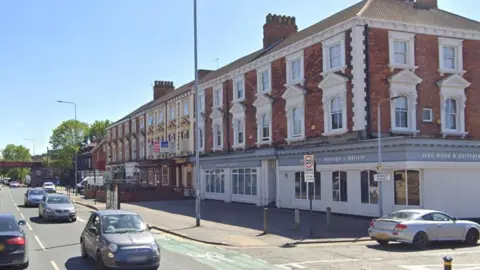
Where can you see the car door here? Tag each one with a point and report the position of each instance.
(447, 229)
(90, 237)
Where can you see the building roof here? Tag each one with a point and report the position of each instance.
(389, 10)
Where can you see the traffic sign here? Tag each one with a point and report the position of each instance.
(308, 164)
(380, 177)
(164, 147)
(309, 178)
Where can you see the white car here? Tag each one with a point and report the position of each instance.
(49, 187)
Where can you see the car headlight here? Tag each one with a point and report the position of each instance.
(72, 210)
(48, 210)
(113, 247)
(154, 246)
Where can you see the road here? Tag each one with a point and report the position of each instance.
(55, 246)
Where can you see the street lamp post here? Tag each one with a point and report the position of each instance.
(379, 143)
(197, 119)
(76, 135)
(33, 149)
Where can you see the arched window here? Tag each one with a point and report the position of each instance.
(451, 113)
(336, 113)
(401, 112)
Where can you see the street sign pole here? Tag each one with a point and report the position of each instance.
(309, 177)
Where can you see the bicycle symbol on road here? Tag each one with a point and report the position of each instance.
(216, 257)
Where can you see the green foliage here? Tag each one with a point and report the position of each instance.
(98, 130)
(14, 152)
(66, 139)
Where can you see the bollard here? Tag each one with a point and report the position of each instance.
(296, 219)
(447, 263)
(327, 215)
(265, 220)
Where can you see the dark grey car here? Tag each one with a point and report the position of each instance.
(120, 240)
(57, 207)
(33, 196)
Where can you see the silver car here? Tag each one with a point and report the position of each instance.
(56, 207)
(419, 227)
(33, 196)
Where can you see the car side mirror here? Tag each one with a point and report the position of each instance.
(149, 227)
(93, 230)
(22, 222)
(454, 218)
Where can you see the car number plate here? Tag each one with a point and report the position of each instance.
(137, 258)
(382, 236)
(2, 247)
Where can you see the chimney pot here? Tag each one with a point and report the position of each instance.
(161, 88)
(426, 4)
(277, 27)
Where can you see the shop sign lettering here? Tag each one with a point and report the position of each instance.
(450, 156)
(225, 165)
(338, 159)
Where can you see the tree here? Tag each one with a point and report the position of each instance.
(98, 130)
(14, 152)
(66, 139)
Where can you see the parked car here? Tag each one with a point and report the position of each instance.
(13, 242)
(56, 207)
(119, 239)
(14, 184)
(49, 187)
(33, 196)
(420, 226)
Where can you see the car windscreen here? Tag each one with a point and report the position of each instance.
(122, 223)
(47, 184)
(58, 200)
(36, 192)
(401, 215)
(8, 224)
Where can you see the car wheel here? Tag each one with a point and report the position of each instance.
(74, 219)
(420, 241)
(383, 242)
(45, 219)
(23, 266)
(471, 238)
(83, 252)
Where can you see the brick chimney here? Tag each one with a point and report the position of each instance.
(160, 88)
(277, 27)
(202, 73)
(426, 4)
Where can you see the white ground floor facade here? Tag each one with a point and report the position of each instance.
(441, 179)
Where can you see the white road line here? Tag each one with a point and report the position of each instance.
(54, 265)
(18, 209)
(29, 227)
(300, 265)
(39, 243)
(81, 220)
(23, 217)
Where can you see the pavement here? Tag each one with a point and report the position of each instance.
(55, 246)
(241, 225)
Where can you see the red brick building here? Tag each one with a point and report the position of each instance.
(316, 91)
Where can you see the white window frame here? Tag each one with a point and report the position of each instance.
(263, 105)
(201, 129)
(238, 114)
(217, 120)
(326, 44)
(333, 85)
(289, 59)
(404, 83)
(185, 106)
(220, 177)
(238, 125)
(253, 173)
(240, 80)
(295, 98)
(454, 87)
(171, 116)
(217, 145)
(457, 44)
(201, 98)
(409, 40)
(339, 190)
(430, 112)
(218, 102)
(260, 72)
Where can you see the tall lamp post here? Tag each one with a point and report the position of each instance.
(76, 135)
(379, 143)
(33, 149)
(197, 118)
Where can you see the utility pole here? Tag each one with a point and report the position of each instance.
(197, 118)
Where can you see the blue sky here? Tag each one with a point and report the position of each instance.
(105, 55)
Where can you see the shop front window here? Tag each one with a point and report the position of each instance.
(215, 181)
(165, 175)
(244, 182)
(368, 187)
(407, 187)
(301, 186)
(339, 186)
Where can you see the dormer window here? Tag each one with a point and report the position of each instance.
(239, 89)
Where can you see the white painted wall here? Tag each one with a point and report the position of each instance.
(454, 191)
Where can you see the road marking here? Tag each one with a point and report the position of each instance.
(39, 243)
(81, 220)
(300, 265)
(213, 256)
(54, 265)
(28, 225)
(18, 209)
(431, 267)
(23, 217)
